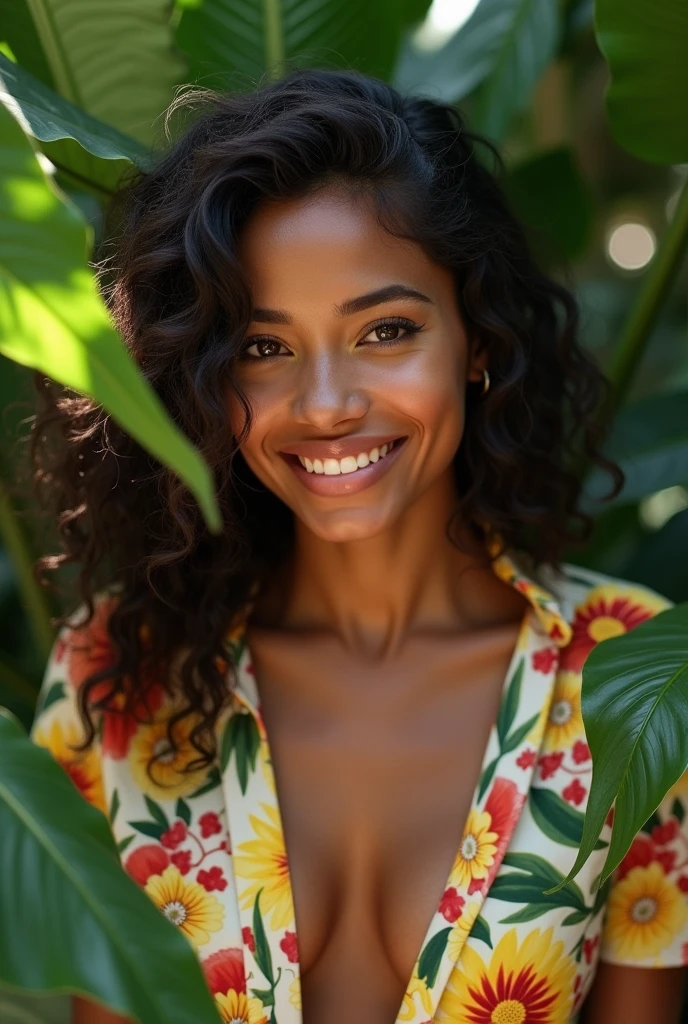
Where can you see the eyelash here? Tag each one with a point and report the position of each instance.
(410, 328)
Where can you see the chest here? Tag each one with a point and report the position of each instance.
(376, 766)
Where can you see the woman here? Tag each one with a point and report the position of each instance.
(376, 667)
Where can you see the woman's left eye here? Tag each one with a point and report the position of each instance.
(392, 331)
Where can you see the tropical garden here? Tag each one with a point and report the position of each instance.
(587, 102)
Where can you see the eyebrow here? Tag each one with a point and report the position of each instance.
(350, 306)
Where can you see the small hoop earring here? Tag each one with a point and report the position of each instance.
(486, 382)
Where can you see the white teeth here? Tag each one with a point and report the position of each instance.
(349, 464)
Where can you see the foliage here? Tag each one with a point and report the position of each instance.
(86, 88)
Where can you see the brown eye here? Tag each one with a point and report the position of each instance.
(267, 347)
(387, 332)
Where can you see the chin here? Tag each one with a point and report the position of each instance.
(341, 527)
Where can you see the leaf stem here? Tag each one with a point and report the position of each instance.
(16, 543)
(653, 290)
(274, 37)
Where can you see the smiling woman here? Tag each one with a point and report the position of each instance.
(336, 740)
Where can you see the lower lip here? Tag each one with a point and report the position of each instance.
(345, 483)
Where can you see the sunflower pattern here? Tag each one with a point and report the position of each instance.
(207, 846)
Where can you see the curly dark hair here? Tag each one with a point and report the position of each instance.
(177, 293)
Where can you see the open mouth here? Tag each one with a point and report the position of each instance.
(350, 463)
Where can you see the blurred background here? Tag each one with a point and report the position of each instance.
(599, 180)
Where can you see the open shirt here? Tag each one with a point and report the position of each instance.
(208, 847)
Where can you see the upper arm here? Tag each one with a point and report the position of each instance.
(634, 995)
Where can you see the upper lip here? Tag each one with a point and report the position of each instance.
(354, 444)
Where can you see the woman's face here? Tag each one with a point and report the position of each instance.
(355, 365)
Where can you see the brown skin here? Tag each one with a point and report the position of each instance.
(381, 650)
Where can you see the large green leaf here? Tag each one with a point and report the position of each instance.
(550, 195)
(79, 145)
(18, 31)
(649, 440)
(646, 43)
(232, 43)
(116, 61)
(499, 54)
(635, 709)
(72, 919)
(52, 318)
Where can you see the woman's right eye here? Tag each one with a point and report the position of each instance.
(263, 348)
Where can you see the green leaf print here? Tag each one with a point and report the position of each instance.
(486, 777)
(506, 746)
(557, 819)
(148, 828)
(263, 955)
(509, 705)
(114, 807)
(517, 737)
(481, 931)
(212, 782)
(431, 957)
(528, 883)
(266, 995)
(55, 693)
(241, 736)
(183, 811)
(678, 811)
(124, 843)
(157, 813)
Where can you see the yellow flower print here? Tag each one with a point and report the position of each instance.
(608, 610)
(416, 987)
(295, 993)
(519, 983)
(564, 720)
(82, 766)
(164, 777)
(194, 911)
(238, 1008)
(461, 930)
(645, 913)
(264, 860)
(477, 850)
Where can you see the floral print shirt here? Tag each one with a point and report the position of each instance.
(208, 847)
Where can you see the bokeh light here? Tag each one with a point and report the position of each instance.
(631, 245)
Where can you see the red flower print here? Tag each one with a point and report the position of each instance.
(209, 824)
(551, 763)
(212, 879)
(609, 820)
(451, 905)
(684, 953)
(574, 793)
(589, 947)
(666, 833)
(289, 946)
(644, 852)
(527, 759)
(556, 632)
(504, 805)
(148, 860)
(544, 660)
(247, 936)
(682, 883)
(182, 860)
(224, 971)
(607, 612)
(580, 752)
(174, 836)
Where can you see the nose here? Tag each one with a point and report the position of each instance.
(328, 393)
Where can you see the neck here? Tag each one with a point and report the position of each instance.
(406, 580)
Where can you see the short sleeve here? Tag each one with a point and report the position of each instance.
(646, 923)
(58, 725)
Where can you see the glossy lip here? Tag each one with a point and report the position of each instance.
(352, 444)
(345, 483)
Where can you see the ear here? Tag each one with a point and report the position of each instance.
(477, 361)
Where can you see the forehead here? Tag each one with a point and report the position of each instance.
(328, 246)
